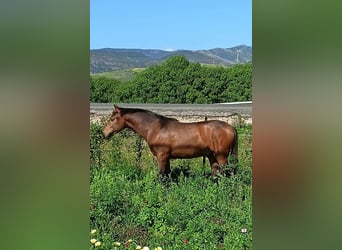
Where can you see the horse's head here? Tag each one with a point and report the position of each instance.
(115, 124)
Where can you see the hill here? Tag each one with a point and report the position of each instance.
(104, 60)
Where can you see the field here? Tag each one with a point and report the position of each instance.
(121, 74)
(130, 206)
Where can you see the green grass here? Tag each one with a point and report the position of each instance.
(215, 65)
(190, 211)
(137, 70)
(122, 75)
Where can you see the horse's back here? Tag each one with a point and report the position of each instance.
(205, 128)
(215, 134)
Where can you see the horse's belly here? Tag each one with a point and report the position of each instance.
(188, 152)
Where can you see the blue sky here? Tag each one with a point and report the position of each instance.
(170, 25)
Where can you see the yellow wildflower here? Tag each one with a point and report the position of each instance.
(98, 243)
(158, 248)
(92, 241)
(117, 244)
(130, 241)
(138, 248)
(93, 231)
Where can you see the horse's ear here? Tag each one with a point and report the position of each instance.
(116, 108)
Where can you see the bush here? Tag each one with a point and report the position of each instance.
(178, 81)
(96, 141)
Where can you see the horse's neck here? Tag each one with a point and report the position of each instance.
(139, 123)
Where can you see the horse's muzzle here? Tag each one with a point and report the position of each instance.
(108, 135)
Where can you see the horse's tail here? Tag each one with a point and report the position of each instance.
(234, 152)
(235, 146)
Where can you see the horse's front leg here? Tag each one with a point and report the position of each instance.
(163, 165)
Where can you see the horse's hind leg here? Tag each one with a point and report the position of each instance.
(222, 159)
(214, 164)
(229, 168)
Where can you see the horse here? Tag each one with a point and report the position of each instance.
(169, 138)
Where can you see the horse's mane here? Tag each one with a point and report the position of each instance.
(124, 111)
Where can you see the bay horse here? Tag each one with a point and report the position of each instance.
(169, 138)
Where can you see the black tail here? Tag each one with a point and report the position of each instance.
(235, 147)
(233, 155)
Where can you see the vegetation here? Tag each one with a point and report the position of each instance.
(177, 81)
(123, 75)
(130, 206)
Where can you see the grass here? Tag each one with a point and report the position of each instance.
(215, 65)
(130, 205)
(122, 74)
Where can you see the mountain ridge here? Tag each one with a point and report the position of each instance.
(110, 59)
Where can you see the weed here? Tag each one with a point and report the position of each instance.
(129, 203)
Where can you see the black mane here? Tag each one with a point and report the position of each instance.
(124, 111)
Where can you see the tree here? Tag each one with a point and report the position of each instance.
(178, 81)
(103, 89)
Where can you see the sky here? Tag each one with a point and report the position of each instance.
(170, 24)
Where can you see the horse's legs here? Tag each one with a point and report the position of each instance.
(215, 167)
(163, 165)
(223, 161)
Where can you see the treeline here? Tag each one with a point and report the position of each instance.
(177, 81)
